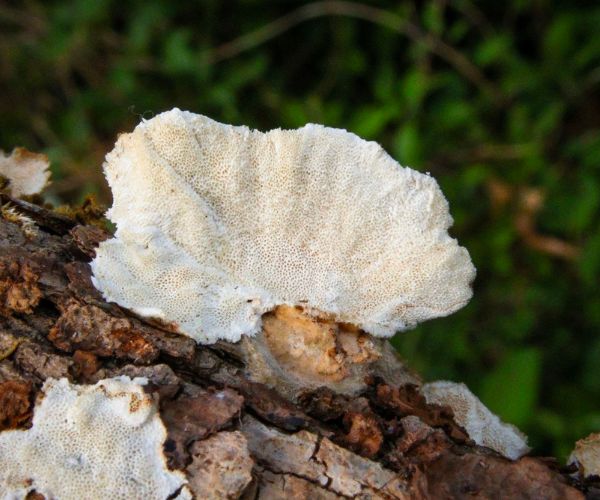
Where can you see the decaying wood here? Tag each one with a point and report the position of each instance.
(234, 437)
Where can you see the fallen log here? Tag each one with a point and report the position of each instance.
(231, 435)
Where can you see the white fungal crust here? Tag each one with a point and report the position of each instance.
(97, 441)
(26, 172)
(217, 224)
(483, 427)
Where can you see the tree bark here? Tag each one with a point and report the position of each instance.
(233, 437)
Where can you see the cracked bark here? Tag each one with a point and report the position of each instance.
(233, 436)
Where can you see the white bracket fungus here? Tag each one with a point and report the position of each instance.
(483, 427)
(218, 224)
(96, 441)
(27, 173)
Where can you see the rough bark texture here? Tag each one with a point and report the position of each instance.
(233, 437)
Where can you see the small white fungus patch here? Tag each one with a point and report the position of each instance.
(89, 441)
(483, 427)
(27, 172)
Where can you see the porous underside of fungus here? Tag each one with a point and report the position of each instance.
(97, 441)
(483, 427)
(218, 224)
(26, 172)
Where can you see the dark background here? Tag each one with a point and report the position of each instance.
(498, 100)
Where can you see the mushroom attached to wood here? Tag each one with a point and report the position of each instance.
(313, 241)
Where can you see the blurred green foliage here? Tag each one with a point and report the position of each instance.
(498, 100)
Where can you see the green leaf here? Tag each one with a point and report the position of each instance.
(589, 264)
(370, 122)
(493, 50)
(178, 56)
(414, 88)
(511, 389)
(559, 37)
(294, 114)
(408, 146)
(549, 119)
(591, 363)
(433, 17)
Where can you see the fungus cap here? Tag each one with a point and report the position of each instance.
(218, 224)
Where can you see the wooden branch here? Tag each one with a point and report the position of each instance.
(232, 436)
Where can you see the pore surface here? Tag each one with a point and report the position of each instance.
(89, 441)
(217, 224)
